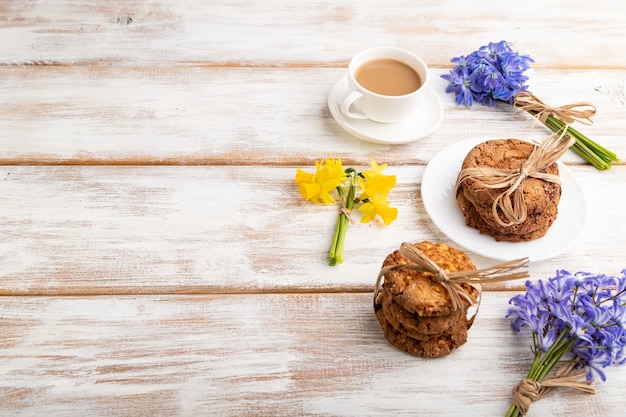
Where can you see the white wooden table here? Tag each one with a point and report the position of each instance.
(156, 258)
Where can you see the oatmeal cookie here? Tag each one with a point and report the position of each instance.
(414, 324)
(419, 292)
(433, 347)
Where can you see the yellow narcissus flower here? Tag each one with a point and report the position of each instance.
(377, 205)
(375, 170)
(327, 177)
(375, 181)
(380, 185)
(331, 180)
(334, 169)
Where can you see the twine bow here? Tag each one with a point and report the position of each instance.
(511, 200)
(529, 390)
(452, 281)
(580, 112)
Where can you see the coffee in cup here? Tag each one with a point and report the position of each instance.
(385, 85)
(388, 77)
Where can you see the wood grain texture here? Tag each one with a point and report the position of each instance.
(285, 33)
(156, 258)
(95, 230)
(279, 355)
(250, 116)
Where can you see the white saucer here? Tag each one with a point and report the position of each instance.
(426, 118)
(439, 198)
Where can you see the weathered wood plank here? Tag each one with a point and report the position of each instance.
(323, 32)
(279, 355)
(121, 229)
(156, 258)
(251, 116)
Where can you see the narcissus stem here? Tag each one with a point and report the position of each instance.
(336, 249)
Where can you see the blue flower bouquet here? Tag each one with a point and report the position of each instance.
(495, 73)
(578, 327)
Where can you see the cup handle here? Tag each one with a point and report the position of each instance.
(348, 102)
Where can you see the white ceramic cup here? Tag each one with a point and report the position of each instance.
(360, 103)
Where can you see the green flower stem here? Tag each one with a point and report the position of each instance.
(543, 364)
(336, 249)
(599, 156)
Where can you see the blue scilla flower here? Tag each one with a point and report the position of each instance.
(621, 283)
(460, 84)
(580, 314)
(492, 80)
(608, 350)
(496, 73)
(495, 50)
(561, 288)
(618, 315)
(461, 62)
(547, 335)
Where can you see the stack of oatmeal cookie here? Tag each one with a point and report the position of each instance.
(541, 197)
(415, 310)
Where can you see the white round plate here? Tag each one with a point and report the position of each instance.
(426, 118)
(438, 195)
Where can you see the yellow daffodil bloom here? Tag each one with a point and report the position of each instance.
(334, 169)
(379, 185)
(375, 170)
(377, 205)
(327, 177)
(375, 181)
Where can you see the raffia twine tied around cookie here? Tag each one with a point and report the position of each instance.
(452, 281)
(530, 390)
(568, 114)
(511, 201)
